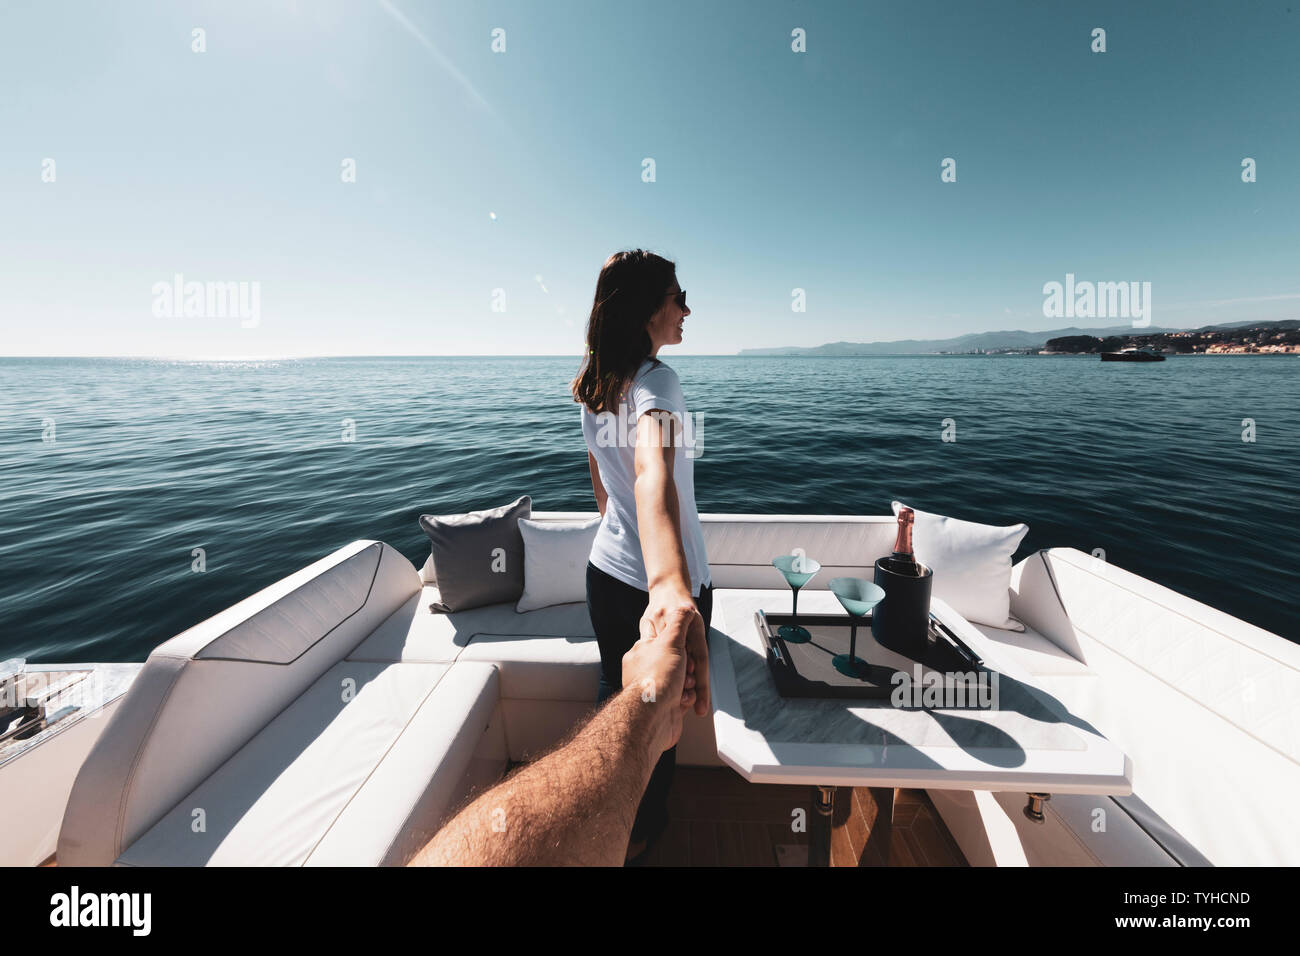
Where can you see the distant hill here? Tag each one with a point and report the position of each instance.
(1264, 337)
(975, 341)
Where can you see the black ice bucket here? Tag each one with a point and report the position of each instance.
(901, 621)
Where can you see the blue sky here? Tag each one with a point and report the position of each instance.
(774, 169)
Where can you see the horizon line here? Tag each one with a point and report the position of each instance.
(735, 354)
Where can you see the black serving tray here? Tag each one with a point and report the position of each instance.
(805, 670)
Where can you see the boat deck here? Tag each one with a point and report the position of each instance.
(719, 819)
(77, 691)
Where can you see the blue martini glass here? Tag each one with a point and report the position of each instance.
(797, 571)
(858, 596)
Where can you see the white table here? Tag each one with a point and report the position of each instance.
(1031, 742)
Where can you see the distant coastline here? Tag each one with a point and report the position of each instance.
(1234, 338)
(1269, 338)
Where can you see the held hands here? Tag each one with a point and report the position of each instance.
(666, 601)
(662, 667)
(658, 669)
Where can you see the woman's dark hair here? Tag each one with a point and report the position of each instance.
(629, 291)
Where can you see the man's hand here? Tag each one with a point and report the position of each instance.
(665, 602)
(659, 670)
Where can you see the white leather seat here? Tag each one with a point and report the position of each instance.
(540, 668)
(1035, 653)
(548, 660)
(1077, 830)
(1207, 706)
(251, 739)
(354, 772)
(415, 633)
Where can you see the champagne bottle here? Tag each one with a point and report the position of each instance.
(903, 561)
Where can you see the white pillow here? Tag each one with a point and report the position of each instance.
(555, 562)
(971, 563)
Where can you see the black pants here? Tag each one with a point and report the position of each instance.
(616, 610)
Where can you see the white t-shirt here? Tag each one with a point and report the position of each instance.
(611, 439)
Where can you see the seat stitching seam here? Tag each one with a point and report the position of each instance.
(357, 610)
(361, 786)
(120, 830)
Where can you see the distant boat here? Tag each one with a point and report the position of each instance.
(1133, 354)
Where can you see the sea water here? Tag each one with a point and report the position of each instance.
(138, 497)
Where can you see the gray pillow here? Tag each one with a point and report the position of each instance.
(478, 558)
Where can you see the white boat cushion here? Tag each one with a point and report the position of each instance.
(555, 562)
(283, 631)
(971, 563)
(1039, 656)
(541, 668)
(418, 633)
(337, 773)
(992, 830)
(1206, 705)
(188, 712)
(423, 777)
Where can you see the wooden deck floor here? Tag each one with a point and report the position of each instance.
(720, 820)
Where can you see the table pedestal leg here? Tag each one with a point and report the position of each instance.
(881, 837)
(819, 833)
(879, 840)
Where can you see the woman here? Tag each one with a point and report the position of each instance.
(648, 559)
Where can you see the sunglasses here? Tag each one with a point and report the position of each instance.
(680, 297)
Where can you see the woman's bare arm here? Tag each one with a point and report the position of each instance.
(660, 528)
(596, 486)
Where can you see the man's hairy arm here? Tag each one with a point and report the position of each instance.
(576, 805)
